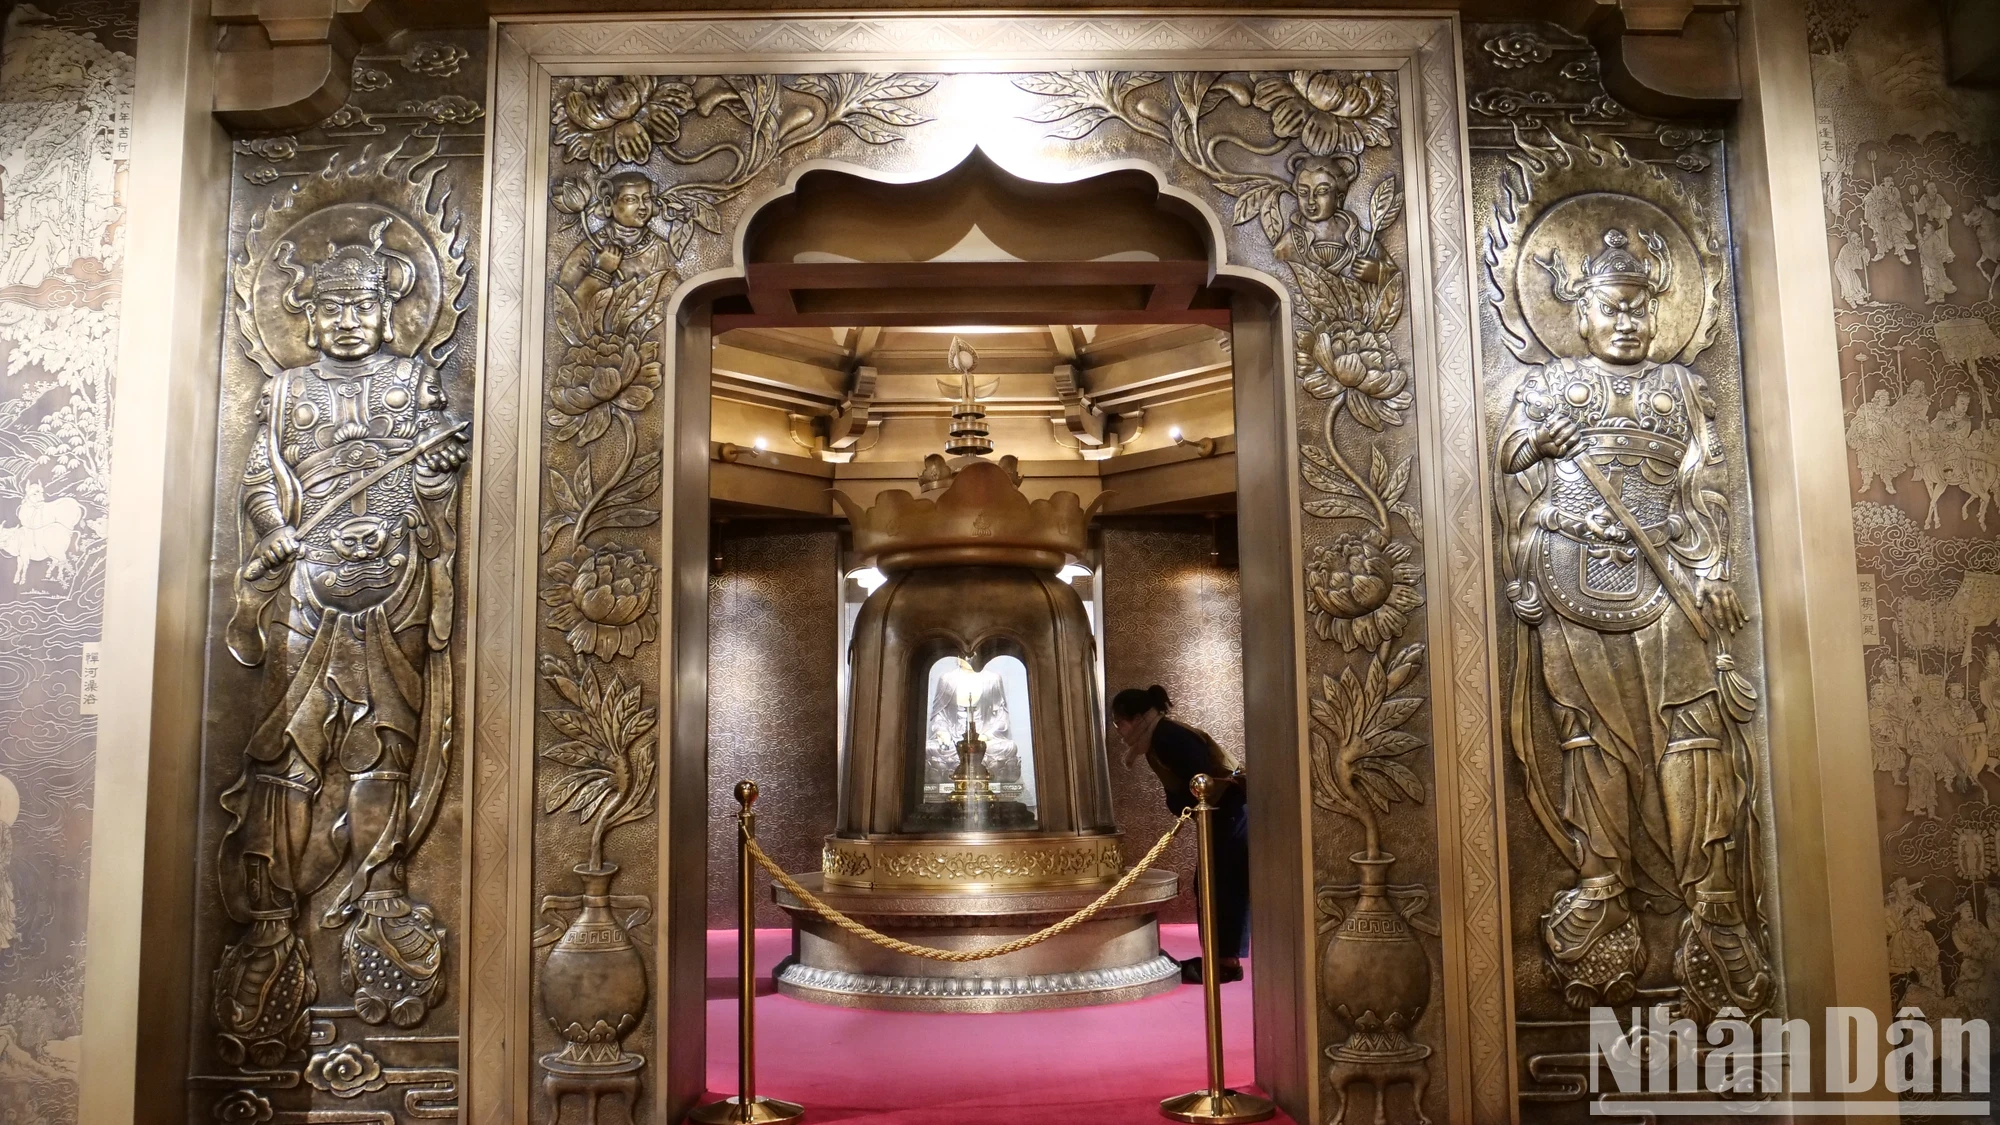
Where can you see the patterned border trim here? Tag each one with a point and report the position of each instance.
(1461, 552)
(495, 966)
(527, 52)
(1159, 968)
(962, 44)
(867, 863)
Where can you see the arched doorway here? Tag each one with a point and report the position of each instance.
(1122, 271)
(1169, 126)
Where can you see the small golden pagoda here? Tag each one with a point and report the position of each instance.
(975, 796)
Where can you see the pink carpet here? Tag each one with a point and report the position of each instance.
(1083, 1066)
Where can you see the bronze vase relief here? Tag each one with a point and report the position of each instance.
(594, 980)
(1377, 980)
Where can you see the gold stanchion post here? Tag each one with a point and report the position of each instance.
(1216, 1104)
(746, 1108)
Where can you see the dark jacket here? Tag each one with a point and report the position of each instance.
(1177, 754)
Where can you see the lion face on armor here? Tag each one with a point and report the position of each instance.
(363, 539)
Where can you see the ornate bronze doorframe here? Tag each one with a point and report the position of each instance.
(1391, 348)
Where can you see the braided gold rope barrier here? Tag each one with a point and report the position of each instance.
(960, 956)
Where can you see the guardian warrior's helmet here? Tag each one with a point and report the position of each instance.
(352, 268)
(1617, 265)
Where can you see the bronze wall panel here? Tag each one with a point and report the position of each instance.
(1911, 182)
(339, 712)
(65, 120)
(1548, 142)
(773, 700)
(1172, 616)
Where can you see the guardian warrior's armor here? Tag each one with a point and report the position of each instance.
(345, 598)
(1626, 641)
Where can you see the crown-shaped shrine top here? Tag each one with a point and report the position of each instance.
(981, 520)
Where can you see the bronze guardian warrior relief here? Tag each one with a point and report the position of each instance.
(345, 597)
(1612, 485)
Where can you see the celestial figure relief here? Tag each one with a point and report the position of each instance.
(1614, 501)
(345, 598)
(623, 236)
(1323, 233)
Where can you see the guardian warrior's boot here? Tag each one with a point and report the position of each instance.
(1720, 963)
(1593, 944)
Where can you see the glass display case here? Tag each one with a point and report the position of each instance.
(977, 768)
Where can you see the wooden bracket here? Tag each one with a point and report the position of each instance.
(286, 64)
(1663, 58)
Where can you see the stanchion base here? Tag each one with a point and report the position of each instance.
(1204, 1107)
(760, 1111)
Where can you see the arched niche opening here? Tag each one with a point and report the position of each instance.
(841, 261)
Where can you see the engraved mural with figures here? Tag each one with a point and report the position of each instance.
(335, 781)
(1910, 172)
(66, 78)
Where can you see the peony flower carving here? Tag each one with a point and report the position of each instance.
(1356, 367)
(1328, 111)
(1360, 589)
(604, 120)
(347, 1071)
(243, 1107)
(603, 600)
(598, 377)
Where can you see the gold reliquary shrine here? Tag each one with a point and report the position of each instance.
(975, 794)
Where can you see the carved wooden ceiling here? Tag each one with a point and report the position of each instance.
(1118, 370)
(799, 410)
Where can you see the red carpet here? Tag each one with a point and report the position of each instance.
(1084, 1066)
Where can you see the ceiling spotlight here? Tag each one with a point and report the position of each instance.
(759, 444)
